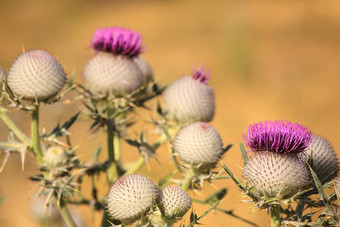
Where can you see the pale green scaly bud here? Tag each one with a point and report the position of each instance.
(173, 202)
(199, 144)
(322, 158)
(190, 98)
(145, 68)
(112, 74)
(274, 174)
(55, 156)
(131, 197)
(36, 74)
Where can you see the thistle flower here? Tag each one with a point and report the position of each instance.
(279, 137)
(322, 158)
(337, 184)
(145, 68)
(190, 98)
(111, 74)
(275, 175)
(173, 202)
(55, 156)
(113, 70)
(118, 41)
(2, 75)
(131, 197)
(199, 144)
(36, 74)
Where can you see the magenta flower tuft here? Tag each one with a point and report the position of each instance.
(279, 137)
(117, 40)
(201, 75)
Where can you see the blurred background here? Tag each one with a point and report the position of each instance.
(269, 60)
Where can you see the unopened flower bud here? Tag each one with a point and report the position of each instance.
(322, 158)
(199, 144)
(36, 74)
(112, 74)
(55, 156)
(275, 175)
(145, 68)
(173, 202)
(131, 197)
(190, 98)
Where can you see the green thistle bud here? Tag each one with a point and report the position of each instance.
(173, 202)
(55, 156)
(36, 74)
(131, 197)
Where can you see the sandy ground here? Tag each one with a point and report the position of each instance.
(268, 61)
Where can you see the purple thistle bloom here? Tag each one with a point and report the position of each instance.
(278, 137)
(117, 40)
(201, 75)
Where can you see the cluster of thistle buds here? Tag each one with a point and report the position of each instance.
(286, 161)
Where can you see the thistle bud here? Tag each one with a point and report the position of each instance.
(199, 144)
(55, 156)
(112, 74)
(274, 168)
(2, 75)
(275, 175)
(131, 197)
(145, 68)
(113, 70)
(190, 98)
(36, 74)
(322, 158)
(173, 202)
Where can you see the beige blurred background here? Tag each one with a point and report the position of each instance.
(268, 60)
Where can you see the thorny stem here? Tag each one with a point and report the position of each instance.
(275, 216)
(116, 147)
(137, 166)
(35, 135)
(13, 127)
(187, 184)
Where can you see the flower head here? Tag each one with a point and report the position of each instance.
(201, 75)
(173, 202)
(131, 197)
(36, 74)
(278, 137)
(117, 40)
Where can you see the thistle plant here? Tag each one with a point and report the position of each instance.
(286, 163)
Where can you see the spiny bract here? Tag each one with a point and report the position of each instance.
(36, 74)
(173, 202)
(199, 144)
(322, 158)
(131, 197)
(112, 74)
(275, 175)
(190, 98)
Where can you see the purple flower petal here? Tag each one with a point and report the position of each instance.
(201, 75)
(278, 137)
(117, 40)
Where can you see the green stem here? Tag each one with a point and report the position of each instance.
(10, 124)
(66, 214)
(112, 172)
(191, 172)
(35, 135)
(116, 147)
(137, 166)
(275, 216)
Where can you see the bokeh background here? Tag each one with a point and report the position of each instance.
(269, 60)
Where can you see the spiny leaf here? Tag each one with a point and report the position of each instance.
(244, 154)
(163, 182)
